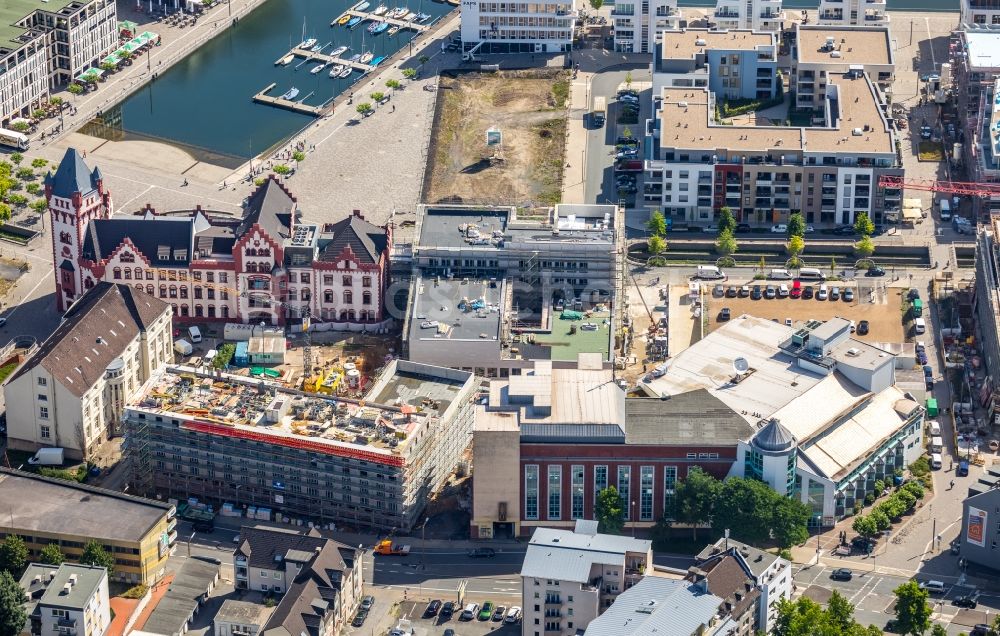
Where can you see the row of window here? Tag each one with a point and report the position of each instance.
(137, 273)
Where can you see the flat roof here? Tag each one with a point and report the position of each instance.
(86, 580)
(495, 228)
(12, 11)
(381, 427)
(983, 48)
(566, 340)
(686, 124)
(855, 45)
(565, 555)
(443, 309)
(32, 503)
(686, 44)
(446, 227)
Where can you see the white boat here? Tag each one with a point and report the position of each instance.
(308, 44)
(367, 57)
(346, 72)
(393, 31)
(318, 48)
(395, 13)
(285, 61)
(336, 70)
(405, 14)
(318, 68)
(337, 52)
(291, 94)
(381, 10)
(361, 6)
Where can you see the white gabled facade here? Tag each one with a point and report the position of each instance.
(518, 27)
(852, 13)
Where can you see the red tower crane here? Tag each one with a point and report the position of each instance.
(947, 187)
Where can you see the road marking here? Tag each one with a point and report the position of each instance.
(174, 190)
(28, 295)
(927, 23)
(143, 193)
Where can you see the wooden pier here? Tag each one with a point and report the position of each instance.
(288, 104)
(367, 15)
(312, 56)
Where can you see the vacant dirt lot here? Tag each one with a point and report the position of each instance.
(884, 316)
(529, 108)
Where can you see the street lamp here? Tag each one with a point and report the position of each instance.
(632, 518)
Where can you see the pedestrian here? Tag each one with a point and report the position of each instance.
(393, 108)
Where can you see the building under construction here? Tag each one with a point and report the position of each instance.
(975, 54)
(259, 448)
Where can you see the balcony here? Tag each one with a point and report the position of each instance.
(553, 600)
(726, 15)
(831, 16)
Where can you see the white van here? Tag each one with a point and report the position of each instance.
(822, 293)
(195, 334)
(780, 274)
(183, 347)
(945, 207)
(709, 272)
(937, 444)
(934, 587)
(811, 273)
(936, 461)
(470, 611)
(919, 326)
(934, 427)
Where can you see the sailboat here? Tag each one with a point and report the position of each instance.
(291, 94)
(381, 10)
(337, 52)
(306, 43)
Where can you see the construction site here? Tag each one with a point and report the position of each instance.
(253, 447)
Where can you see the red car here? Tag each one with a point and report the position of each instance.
(796, 290)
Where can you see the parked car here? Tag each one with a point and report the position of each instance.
(724, 315)
(469, 612)
(963, 468)
(863, 327)
(780, 228)
(757, 293)
(448, 609)
(913, 294)
(796, 291)
(875, 271)
(810, 229)
(848, 295)
(359, 618)
(834, 293)
(499, 612)
(743, 227)
(731, 292)
(770, 292)
(487, 612)
(367, 602)
(513, 615)
(744, 291)
(844, 230)
(718, 291)
(842, 574)
(482, 553)
(432, 609)
(968, 601)
(807, 293)
(712, 229)
(981, 629)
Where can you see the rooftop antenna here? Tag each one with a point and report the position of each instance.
(741, 366)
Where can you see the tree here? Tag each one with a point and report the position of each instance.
(17, 158)
(409, 73)
(364, 109)
(12, 613)
(628, 75)
(789, 522)
(108, 66)
(13, 555)
(840, 613)
(95, 554)
(39, 113)
(863, 225)
(864, 248)
(75, 89)
(20, 126)
(597, 4)
(881, 519)
(795, 246)
(801, 617)
(938, 630)
(282, 169)
(298, 156)
(833, 265)
(423, 59)
(39, 162)
(51, 555)
(747, 513)
(726, 220)
(657, 223)
(56, 101)
(913, 612)
(378, 96)
(695, 498)
(39, 206)
(393, 84)
(796, 225)
(609, 512)
(726, 244)
(33, 188)
(865, 526)
(655, 245)
(5, 214)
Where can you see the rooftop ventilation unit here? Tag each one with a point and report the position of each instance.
(700, 42)
(835, 54)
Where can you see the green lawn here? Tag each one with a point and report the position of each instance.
(565, 345)
(7, 369)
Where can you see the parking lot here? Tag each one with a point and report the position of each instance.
(874, 301)
(412, 612)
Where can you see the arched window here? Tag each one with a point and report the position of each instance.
(173, 292)
(211, 311)
(174, 308)
(88, 283)
(251, 252)
(184, 292)
(149, 289)
(184, 310)
(198, 311)
(163, 291)
(348, 297)
(351, 315)
(138, 287)
(225, 311)
(138, 273)
(117, 273)
(252, 267)
(366, 298)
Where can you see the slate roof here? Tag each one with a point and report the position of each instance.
(774, 437)
(170, 235)
(727, 579)
(571, 434)
(756, 560)
(72, 176)
(655, 605)
(178, 606)
(694, 418)
(367, 240)
(261, 546)
(312, 594)
(50, 593)
(271, 207)
(94, 331)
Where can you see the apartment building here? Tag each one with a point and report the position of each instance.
(976, 62)
(666, 607)
(309, 457)
(138, 532)
(489, 288)
(829, 172)
(771, 574)
(638, 25)
(852, 12)
(263, 266)
(754, 15)
(72, 391)
(980, 534)
(987, 306)
(301, 568)
(518, 27)
(979, 12)
(548, 441)
(823, 51)
(67, 599)
(731, 64)
(42, 47)
(569, 577)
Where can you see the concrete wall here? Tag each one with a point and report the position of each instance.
(496, 463)
(985, 555)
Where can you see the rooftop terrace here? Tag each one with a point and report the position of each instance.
(379, 428)
(686, 44)
(497, 228)
(459, 309)
(13, 11)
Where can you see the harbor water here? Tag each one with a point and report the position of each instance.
(204, 104)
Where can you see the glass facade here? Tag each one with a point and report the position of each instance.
(624, 474)
(669, 489)
(646, 493)
(555, 492)
(531, 492)
(600, 480)
(576, 510)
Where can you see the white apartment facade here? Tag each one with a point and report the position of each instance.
(756, 15)
(69, 599)
(639, 23)
(72, 391)
(852, 13)
(980, 12)
(491, 26)
(570, 577)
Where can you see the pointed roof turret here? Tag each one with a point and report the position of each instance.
(72, 176)
(774, 437)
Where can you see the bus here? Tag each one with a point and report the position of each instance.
(13, 139)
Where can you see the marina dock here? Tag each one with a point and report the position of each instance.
(288, 104)
(367, 15)
(328, 59)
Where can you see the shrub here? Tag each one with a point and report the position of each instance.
(136, 592)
